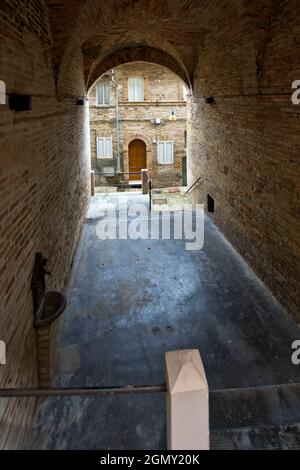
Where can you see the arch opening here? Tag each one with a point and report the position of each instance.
(139, 101)
(137, 54)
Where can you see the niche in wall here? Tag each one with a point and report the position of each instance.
(20, 102)
(210, 204)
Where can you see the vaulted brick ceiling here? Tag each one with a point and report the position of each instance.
(172, 31)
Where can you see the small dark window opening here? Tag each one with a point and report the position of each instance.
(210, 204)
(20, 102)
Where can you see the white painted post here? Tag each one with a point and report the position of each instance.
(2, 353)
(187, 401)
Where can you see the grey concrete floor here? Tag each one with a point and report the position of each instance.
(130, 301)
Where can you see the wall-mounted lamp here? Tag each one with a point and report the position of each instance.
(80, 102)
(19, 102)
(172, 116)
(209, 99)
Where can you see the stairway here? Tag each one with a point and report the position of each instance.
(266, 417)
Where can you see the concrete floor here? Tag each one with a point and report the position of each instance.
(130, 302)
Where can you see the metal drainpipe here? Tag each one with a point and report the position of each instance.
(95, 135)
(116, 84)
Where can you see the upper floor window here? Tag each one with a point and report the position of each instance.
(135, 89)
(104, 147)
(103, 92)
(165, 152)
(2, 92)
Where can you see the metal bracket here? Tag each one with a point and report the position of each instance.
(38, 284)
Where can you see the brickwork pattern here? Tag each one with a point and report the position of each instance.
(163, 93)
(245, 145)
(44, 187)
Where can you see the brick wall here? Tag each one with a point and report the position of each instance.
(246, 145)
(163, 93)
(44, 176)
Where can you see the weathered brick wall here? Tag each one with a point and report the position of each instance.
(163, 93)
(246, 145)
(44, 178)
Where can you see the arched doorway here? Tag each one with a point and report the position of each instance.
(137, 157)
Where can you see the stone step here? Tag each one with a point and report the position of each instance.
(256, 418)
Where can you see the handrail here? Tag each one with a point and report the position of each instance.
(117, 173)
(191, 187)
(83, 391)
(150, 194)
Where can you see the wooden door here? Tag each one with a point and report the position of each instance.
(137, 158)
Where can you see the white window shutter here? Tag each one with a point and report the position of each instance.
(106, 92)
(160, 152)
(108, 147)
(103, 92)
(100, 147)
(165, 152)
(99, 93)
(135, 89)
(140, 89)
(169, 152)
(104, 147)
(131, 89)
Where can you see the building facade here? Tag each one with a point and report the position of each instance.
(138, 120)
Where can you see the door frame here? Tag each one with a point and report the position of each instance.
(146, 156)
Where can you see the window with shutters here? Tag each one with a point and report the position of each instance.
(103, 92)
(135, 89)
(165, 152)
(2, 92)
(104, 147)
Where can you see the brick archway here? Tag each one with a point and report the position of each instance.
(142, 137)
(138, 54)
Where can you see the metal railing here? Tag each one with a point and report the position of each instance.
(81, 391)
(187, 398)
(150, 194)
(118, 182)
(194, 184)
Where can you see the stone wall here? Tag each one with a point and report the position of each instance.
(44, 187)
(164, 92)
